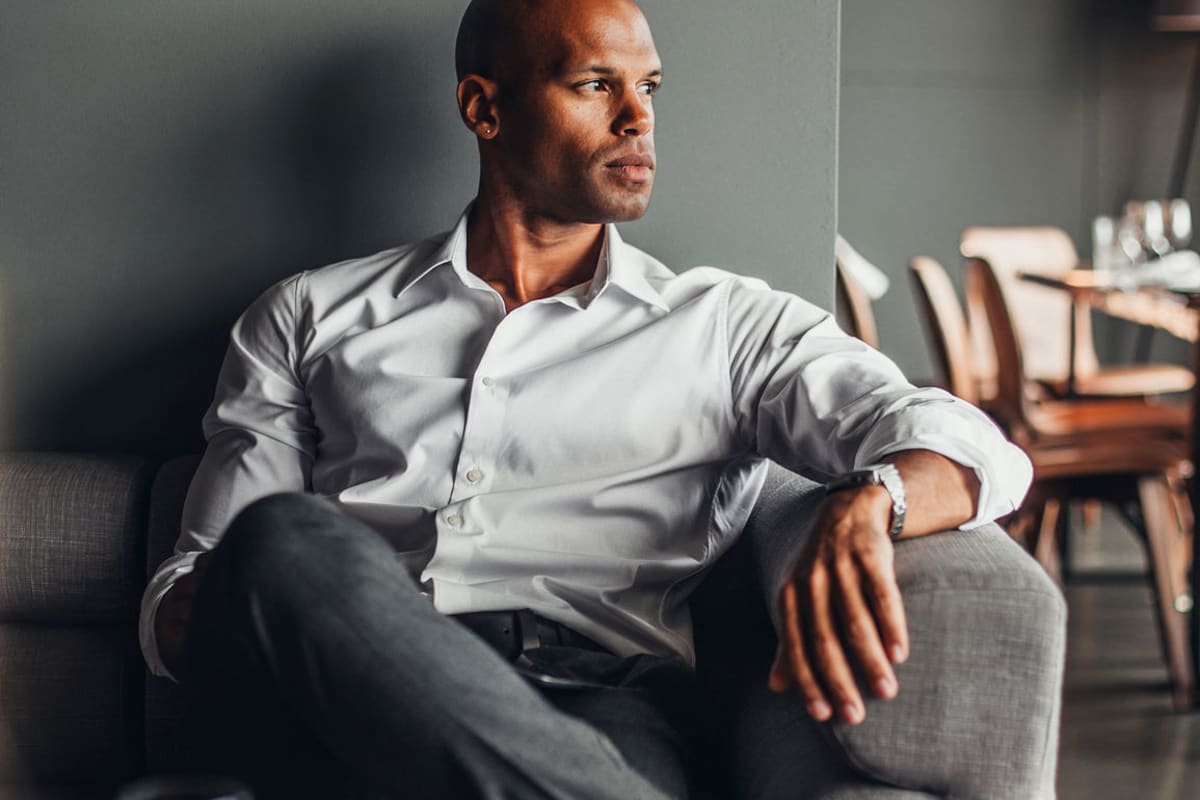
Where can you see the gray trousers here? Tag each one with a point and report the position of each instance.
(317, 669)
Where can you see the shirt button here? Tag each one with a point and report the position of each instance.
(473, 475)
(488, 382)
(454, 521)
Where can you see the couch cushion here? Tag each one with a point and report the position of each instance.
(71, 529)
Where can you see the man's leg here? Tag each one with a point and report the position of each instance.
(306, 616)
(650, 709)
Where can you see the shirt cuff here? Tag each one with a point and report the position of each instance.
(966, 436)
(164, 578)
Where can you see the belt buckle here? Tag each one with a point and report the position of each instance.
(525, 622)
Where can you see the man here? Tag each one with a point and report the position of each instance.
(549, 437)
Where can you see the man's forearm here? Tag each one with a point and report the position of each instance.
(941, 493)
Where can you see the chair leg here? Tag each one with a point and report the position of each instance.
(1092, 509)
(1166, 545)
(1046, 546)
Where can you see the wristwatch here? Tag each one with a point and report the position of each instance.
(885, 475)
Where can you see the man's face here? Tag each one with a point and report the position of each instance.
(577, 120)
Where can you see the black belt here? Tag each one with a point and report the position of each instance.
(512, 633)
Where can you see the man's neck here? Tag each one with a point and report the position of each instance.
(526, 257)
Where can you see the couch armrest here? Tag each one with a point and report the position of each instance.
(978, 710)
(72, 531)
(73, 536)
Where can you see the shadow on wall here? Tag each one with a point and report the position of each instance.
(362, 153)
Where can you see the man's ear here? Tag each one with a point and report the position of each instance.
(477, 105)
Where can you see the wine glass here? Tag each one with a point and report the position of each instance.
(1131, 232)
(1106, 253)
(1154, 228)
(1179, 227)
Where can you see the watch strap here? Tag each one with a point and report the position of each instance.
(885, 475)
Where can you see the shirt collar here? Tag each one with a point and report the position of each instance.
(619, 265)
(624, 267)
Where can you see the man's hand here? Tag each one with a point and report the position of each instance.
(841, 612)
(174, 615)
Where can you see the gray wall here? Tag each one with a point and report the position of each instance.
(1026, 112)
(163, 162)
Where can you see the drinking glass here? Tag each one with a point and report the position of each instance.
(1179, 228)
(1154, 228)
(1106, 252)
(1131, 232)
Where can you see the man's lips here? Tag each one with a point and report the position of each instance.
(635, 167)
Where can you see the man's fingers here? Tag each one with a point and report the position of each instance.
(879, 578)
(780, 679)
(862, 634)
(799, 672)
(828, 652)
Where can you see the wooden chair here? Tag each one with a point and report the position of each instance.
(1042, 319)
(854, 312)
(1032, 414)
(1142, 474)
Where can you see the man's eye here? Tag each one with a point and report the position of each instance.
(648, 88)
(592, 86)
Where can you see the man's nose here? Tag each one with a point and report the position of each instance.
(636, 115)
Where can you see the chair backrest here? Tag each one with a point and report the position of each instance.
(945, 327)
(1008, 405)
(854, 308)
(1040, 315)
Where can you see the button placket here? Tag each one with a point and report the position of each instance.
(481, 435)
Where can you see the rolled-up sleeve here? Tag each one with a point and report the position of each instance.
(821, 402)
(261, 440)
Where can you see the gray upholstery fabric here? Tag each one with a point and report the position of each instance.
(71, 566)
(978, 709)
(70, 533)
(69, 702)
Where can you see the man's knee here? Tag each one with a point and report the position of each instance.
(270, 532)
(294, 540)
(274, 525)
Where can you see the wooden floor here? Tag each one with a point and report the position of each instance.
(1120, 738)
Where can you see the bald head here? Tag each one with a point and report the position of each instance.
(492, 34)
(487, 36)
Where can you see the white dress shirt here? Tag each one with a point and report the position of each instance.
(587, 455)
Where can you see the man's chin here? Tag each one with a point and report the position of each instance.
(629, 210)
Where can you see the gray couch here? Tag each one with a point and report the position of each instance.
(977, 715)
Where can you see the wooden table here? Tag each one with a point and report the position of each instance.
(1177, 312)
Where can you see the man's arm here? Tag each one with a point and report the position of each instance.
(261, 440)
(174, 614)
(841, 611)
(824, 404)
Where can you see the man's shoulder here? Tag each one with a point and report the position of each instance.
(690, 280)
(705, 288)
(386, 270)
(698, 282)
